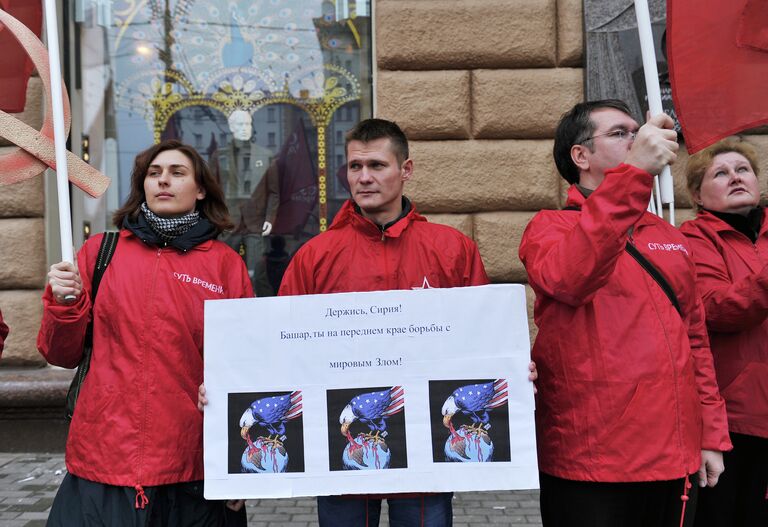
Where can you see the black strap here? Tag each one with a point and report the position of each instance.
(106, 251)
(655, 274)
(650, 269)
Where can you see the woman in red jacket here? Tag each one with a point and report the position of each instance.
(134, 451)
(729, 241)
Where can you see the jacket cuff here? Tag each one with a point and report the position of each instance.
(715, 433)
(63, 312)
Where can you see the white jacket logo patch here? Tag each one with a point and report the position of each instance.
(655, 246)
(184, 277)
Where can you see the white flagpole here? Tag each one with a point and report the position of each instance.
(652, 205)
(59, 135)
(654, 94)
(656, 194)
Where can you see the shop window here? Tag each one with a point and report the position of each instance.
(256, 87)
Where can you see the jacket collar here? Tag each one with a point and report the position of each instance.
(721, 225)
(405, 205)
(349, 215)
(576, 197)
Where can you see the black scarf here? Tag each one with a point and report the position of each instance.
(748, 225)
(202, 230)
(169, 228)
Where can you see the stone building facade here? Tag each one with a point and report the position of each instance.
(478, 86)
(23, 259)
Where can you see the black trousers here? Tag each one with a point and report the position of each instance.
(738, 499)
(87, 503)
(567, 503)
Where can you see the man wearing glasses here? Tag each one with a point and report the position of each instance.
(628, 407)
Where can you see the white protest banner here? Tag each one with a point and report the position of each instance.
(358, 393)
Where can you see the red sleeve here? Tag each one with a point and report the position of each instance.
(475, 270)
(715, 423)
(3, 332)
(299, 276)
(62, 329)
(731, 306)
(570, 263)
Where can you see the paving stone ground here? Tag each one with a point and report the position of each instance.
(28, 483)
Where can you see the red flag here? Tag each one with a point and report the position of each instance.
(753, 26)
(298, 183)
(15, 64)
(718, 63)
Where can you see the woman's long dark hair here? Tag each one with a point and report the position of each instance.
(212, 206)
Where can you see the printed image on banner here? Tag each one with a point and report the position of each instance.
(366, 428)
(266, 432)
(469, 421)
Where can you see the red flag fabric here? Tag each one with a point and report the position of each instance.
(718, 64)
(298, 183)
(15, 64)
(753, 26)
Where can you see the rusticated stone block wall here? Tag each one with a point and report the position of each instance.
(478, 86)
(22, 250)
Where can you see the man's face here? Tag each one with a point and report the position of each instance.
(609, 150)
(376, 178)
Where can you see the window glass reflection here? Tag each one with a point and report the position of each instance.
(265, 89)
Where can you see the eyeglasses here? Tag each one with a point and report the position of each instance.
(620, 135)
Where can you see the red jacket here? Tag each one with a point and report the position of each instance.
(733, 282)
(136, 421)
(627, 389)
(354, 255)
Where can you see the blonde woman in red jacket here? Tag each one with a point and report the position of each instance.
(729, 242)
(134, 451)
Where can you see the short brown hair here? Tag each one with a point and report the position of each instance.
(373, 129)
(212, 206)
(699, 162)
(574, 128)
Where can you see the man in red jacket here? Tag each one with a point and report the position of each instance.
(628, 406)
(378, 242)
